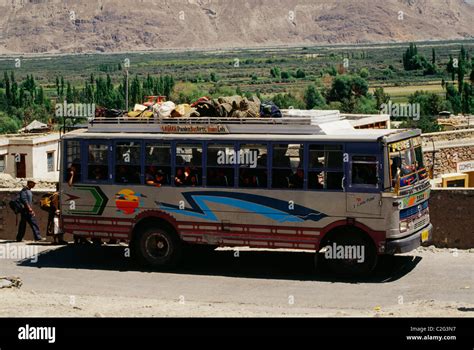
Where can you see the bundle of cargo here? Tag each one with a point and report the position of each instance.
(223, 107)
(101, 112)
(228, 107)
(268, 109)
(140, 111)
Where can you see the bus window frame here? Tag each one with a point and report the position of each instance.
(269, 155)
(304, 167)
(364, 188)
(235, 167)
(82, 150)
(342, 170)
(142, 161)
(110, 178)
(174, 167)
(146, 143)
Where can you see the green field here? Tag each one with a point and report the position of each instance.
(248, 69)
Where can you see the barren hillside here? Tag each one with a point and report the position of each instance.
(54, 26)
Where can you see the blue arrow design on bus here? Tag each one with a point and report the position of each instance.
(271, 208)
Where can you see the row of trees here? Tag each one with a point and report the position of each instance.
(461, 98)
(20, 95)
(277, 73)
(25, 101)
(348, 93)
(412, 60)
(21, 102)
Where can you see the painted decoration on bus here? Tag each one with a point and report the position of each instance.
(270, 208)
(76, 203)
(415, 199)
(128, 202)
(400, 146)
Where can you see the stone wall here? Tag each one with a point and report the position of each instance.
(452, 216)
(446, 159)
(447, 149)
(444, 136)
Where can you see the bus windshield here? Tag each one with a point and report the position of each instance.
(406, 157)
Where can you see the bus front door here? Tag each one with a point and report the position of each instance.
(363, 183)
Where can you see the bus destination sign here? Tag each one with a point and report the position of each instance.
(195, 129)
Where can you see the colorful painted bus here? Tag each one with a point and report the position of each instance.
(288, 183)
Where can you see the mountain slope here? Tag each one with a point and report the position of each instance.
(55, 26)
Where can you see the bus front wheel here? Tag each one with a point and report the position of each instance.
(349, 253)
(157, 248)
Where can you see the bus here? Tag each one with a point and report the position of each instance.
(347, 195)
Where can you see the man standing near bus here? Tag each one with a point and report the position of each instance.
(27, 214)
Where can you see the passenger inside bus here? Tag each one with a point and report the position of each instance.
(220, 177)
(122, 175)
(297, 179)
(160, 179)
(73, 174)
(127, 174)
(193, 181)
(150, 174)
(187, 177)
(406, 168)
(253, 178)
(316, 180)
(179, 178)
(99, 173)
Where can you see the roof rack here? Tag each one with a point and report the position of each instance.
(292, 122)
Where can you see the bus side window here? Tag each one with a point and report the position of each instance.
(158, 164)
(253, 163)
(220, 165)
(188, 165)
(287, 166)
(364, 171)
(326, 167)
(127, 162)
(73, 169)
(98, 162)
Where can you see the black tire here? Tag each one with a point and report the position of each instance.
(157, 248)
(351, 267)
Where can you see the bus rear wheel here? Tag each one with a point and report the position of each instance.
(157, 248)
(349, 253)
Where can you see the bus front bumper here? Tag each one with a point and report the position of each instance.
(407, 244)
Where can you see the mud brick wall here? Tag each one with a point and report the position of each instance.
(452, 215)
(8, 225)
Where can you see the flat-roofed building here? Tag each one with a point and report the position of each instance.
(31, 156)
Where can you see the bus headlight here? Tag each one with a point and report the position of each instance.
(403, 226)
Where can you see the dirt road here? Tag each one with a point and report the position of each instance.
(102, 281)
